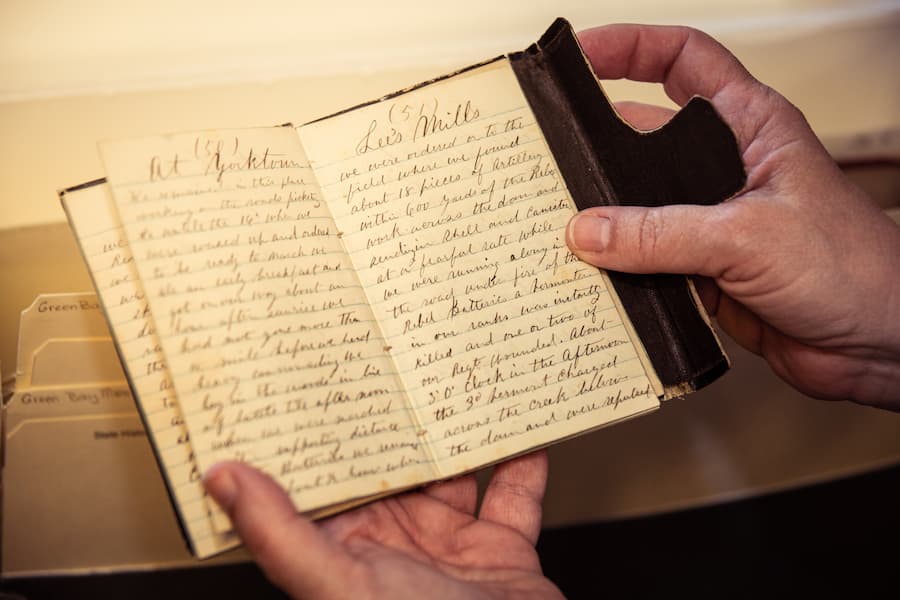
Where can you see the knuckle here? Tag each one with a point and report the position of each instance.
(741, 232)
(650, 227)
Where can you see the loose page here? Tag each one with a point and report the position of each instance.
(453, 211)
(94, 219)
(274, 353)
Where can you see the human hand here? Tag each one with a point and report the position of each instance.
(415, 545)
(801, 267)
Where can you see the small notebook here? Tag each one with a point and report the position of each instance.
(383, 297)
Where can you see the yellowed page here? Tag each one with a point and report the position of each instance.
(95, 222)
(275, 355)
(453, 211)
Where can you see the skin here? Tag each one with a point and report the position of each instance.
(416, 545)
(800, 267)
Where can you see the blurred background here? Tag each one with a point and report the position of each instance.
(75, 72)
(72, 74)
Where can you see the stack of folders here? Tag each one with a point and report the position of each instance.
(82, 491)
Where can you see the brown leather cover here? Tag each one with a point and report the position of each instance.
(692, 159)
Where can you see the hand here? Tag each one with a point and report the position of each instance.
(423, 544)
(801, 267)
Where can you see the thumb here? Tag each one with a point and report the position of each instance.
(688, 239)
(293, 552)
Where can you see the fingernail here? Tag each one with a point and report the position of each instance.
(220, 485)
(590, 232)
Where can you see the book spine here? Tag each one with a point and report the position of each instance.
(604, 161)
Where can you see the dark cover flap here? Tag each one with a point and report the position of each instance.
(604, 161)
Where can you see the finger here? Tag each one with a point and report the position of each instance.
(687, 62)
(514, 494)
(741, 324)
(709, 293)
(735, 319)
(290, 549)
(460, 494)
(671, 239)
(643, 116)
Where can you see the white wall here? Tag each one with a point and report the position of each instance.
(76, 72)
(54, 47)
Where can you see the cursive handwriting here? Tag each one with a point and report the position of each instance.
(456, 232)
(267, 333)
